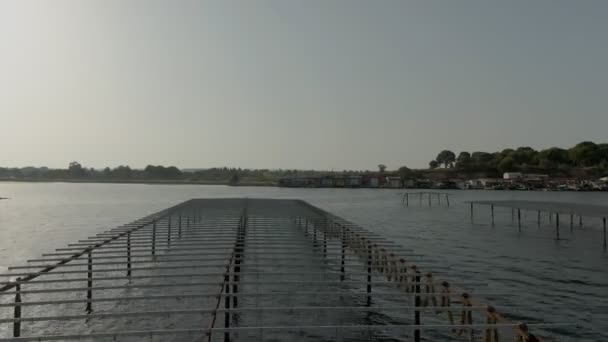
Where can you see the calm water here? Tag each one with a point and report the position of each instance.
(541, 279)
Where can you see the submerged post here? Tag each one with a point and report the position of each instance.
(369, 273)
(557, 226)
(17, 310)
(128, 254)
(179, 229)
(342, 262)
(471, 212)
(154, 237)
(169, 230)
(519, 219)
(604, 220)
(89, 308)
(227, 307)
(417, 303)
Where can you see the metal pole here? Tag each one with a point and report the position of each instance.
(325, 241)
(557, 226)
(169, 230)
(343, 257)
(417, 303)
(179, 230)
(227, 307)
(471, 212)
(604, 220)
(369, 273)
(129, 254)
(519, 219)
(17, 311)
(89, 308)
(154, 237)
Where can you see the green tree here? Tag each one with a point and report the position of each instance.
(433, 164)
(506, 165)
(464, 160)
(446, 157)
(405, 173)
(75, 170)
(553, 156)
(381, 168)
(585, 153)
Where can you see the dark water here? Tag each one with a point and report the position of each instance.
(534, 277)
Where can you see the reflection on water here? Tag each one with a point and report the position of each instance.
(541, 279)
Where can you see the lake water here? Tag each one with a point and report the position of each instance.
(541, 278)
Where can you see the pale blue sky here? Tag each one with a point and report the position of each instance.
(296, 84)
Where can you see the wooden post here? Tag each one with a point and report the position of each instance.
(492, 210)
(538, 219)
(439, 198)
(89, 308)
(571, 222)
(17, 310)
(154, 237)
(519, 219)
(447, 199)
(369, 273)
(557, 226)
(128, 254)
(604, 220)
(580, 221)
(417, 303)
(407, 199)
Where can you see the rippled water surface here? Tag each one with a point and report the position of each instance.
(533, 276)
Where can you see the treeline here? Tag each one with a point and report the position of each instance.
(587, 155)
(76, 171)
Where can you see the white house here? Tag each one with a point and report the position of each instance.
(512, 175)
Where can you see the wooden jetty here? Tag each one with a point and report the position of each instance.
(242, 270)
(431, 196)
(553, 209)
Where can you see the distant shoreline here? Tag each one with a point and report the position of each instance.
(129, 181)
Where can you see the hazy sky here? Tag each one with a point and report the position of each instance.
(296, 84)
